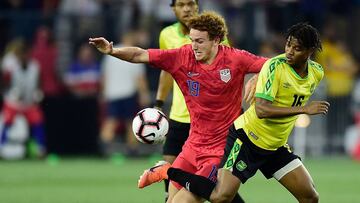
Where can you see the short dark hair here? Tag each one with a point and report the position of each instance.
(174, 1)
(307, 35)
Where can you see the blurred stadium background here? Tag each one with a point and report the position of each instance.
(57, 32)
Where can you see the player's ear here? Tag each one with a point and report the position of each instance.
(217, 40)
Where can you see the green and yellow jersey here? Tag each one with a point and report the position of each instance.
(279, 83)
(171, 37)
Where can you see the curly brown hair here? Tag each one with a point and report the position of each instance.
(210, 22)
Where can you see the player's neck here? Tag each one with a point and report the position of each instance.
(184, 29)
(301, 69)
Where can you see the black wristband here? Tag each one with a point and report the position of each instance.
(159, 103)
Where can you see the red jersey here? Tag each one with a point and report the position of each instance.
(212, 92)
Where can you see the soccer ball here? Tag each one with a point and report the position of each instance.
(150, 126)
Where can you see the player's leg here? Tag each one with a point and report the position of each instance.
(9, 114)
(175, 139)
(185, 162)
(287, 168)
(117, 109)
(108, 129)
(299, 182)
(169, 159)
(128, 109)
(184, 196)
(226, 188)
(228, 181)
(131, 140)
(208, 165)
(173, 190)
(109, 125)
(36, 121)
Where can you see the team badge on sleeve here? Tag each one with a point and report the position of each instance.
(225, 75)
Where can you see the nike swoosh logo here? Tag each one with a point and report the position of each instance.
(190, 74)
(152, 168)
(187, 186)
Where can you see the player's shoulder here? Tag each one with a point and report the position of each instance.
(231, 51)
(186, 48)
(316, 66)
(226, 49)
(170, 29)
(276, 62)
(316, 69)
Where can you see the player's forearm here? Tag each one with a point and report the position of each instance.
(165, 85)
(271, 111)
(131, 54)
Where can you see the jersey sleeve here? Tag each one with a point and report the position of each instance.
(268, 81)
(162, 41)
(166, 60)
(320, 72)
(250, 62)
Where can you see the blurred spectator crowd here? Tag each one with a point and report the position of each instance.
(73, 102)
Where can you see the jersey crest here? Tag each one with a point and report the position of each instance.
(225, 75)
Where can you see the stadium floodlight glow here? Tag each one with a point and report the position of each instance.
(303, 121)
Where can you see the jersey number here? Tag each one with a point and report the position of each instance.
(194, 87)
(297, 100)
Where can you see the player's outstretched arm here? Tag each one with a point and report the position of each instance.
(265, 109)
(130, 54)
(164, 87)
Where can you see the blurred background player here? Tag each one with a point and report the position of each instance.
(340, 73)
(124, 90)
(22, 94)
(83, 76)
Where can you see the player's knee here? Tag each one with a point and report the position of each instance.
(183, 199)
(314, 197)
(310, 197)
(221, 197)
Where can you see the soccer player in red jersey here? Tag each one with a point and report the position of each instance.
(211, 78)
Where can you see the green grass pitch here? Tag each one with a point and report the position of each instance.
(87, 180)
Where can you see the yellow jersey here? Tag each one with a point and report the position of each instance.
(279, 83)
(171, 37)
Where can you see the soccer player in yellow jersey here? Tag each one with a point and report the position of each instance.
(257, 140)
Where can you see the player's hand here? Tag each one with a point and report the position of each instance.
(317, 107)
(102, 45)
(250, 88)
